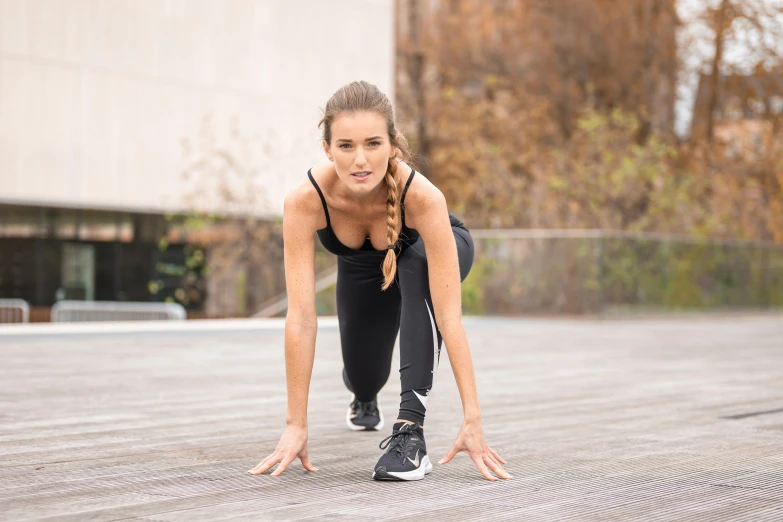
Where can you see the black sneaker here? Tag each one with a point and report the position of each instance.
(364, 416)
(406, 454)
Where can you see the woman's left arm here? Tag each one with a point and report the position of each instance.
(429, 216)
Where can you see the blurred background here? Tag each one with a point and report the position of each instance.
(609, 157)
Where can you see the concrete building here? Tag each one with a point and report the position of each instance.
(103, 105)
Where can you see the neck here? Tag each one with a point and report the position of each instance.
(370, 198)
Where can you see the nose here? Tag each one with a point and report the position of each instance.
(360, 159)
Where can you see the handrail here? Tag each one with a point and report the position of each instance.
(328, 277)
(274, 306)
(80, 311)
(597, 233)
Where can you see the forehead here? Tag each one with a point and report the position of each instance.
(357, 125)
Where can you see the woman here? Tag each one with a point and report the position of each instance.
(377, 215)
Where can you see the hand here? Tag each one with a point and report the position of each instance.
(470, 439)
(292, 444)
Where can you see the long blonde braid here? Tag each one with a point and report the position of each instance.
(392, 220)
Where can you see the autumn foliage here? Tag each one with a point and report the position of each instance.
(561, 115)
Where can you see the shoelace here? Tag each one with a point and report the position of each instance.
(399, 439)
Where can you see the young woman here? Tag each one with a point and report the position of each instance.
(377, 215)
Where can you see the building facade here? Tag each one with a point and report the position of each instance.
(110, 110)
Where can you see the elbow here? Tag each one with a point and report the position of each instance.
(449, 320)
(306, 320)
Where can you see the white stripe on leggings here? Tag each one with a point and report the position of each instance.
(434, 344)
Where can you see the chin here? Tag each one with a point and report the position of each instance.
(363, 188)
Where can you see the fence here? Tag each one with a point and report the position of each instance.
(597, 271)
(14, 311)
(525, 272)
(82, 311)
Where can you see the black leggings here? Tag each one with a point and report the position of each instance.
(369, 319)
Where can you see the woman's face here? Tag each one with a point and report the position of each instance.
(360, 150)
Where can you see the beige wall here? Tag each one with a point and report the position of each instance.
(97, 97)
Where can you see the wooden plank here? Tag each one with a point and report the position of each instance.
(599, 420)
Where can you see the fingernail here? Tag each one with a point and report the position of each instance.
(440, 461)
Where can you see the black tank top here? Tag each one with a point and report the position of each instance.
(329, 240)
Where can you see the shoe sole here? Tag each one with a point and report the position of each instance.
(416, 474)
(356, 427)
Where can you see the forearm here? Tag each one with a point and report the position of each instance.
(456, 341)
(299, 355)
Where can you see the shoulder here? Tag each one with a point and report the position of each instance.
(423, 198)
(303, 204)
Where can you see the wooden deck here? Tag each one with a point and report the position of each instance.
(658, 419)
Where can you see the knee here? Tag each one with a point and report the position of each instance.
(412, 262)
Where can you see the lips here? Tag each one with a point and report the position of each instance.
(364, 174)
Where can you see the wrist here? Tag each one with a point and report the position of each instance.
(472, 420)
(296, 422)
(471, 412)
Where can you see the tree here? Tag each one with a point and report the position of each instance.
(495, 89)
(561, 114)
(224, 212)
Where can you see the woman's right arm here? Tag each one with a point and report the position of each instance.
(301, 323)
(300, 222)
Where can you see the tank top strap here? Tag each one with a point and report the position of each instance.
(408, 184)
(323, 199)
(402, 198)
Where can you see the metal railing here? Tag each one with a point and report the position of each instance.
(14, 311)
(567, 271)
(86, 311)
(279, 304)
(603, 271)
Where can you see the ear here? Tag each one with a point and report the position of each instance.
(326, 150)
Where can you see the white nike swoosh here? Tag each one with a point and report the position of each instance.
(415, 462)
(422, 398)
